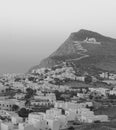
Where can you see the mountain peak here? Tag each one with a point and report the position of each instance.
(88, 32)
(81, 52)
(82, 34)
(84, 30)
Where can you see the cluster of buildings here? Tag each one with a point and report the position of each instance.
(91, 40)
(53, 119)
(62, 112)
(107, 75)
(79, 111)
(100, 92)
(61, 73)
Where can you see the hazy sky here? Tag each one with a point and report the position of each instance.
(32, 29)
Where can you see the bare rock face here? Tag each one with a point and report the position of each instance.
(84, 48)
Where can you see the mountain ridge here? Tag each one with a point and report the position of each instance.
(82, 46)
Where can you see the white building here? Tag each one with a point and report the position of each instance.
(80, 78)
(104, 75)
(36, 115)
(63, 121)
(15, 119)
(19, 85)
(91, 40)
(48, 96)
(6, 126)
(19, 96)
(112, 92)
(6, 104)
(26, 126)
(70, 105)
(87, 116)
(38, 121)
(71, 115)
(54, 112)
(99, 90)
(53, 123)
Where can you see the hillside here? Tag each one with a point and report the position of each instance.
(85, 49)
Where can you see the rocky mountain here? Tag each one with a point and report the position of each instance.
(84, 48)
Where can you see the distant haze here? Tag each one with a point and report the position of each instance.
(30, 30)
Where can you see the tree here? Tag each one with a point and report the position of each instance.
(65, 96)
(90, 107)
(19, 91)
(15, 107)
(58, 94)
(30, 93)
(88, 79)
(23, 113)
(17, 79)
(8, 89)
(31, 78)
(27, 97)
(71, 128)
(27, 103)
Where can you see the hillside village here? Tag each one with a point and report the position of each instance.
(56, 98)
